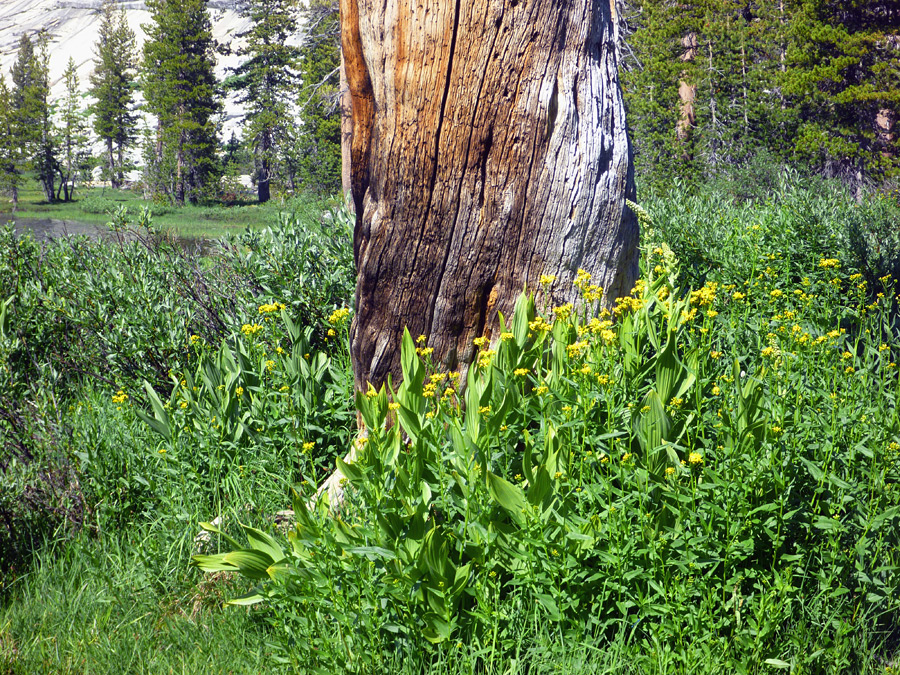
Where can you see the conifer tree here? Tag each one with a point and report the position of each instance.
(74, 150)
(181, 91)
(266, 81)
(10, 150)
(113, 87)
(318, 150)
(31, 111)
(658, 80)
(842, 74)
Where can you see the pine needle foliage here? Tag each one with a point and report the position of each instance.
(266, 81)
(113, 86)
(181, 91)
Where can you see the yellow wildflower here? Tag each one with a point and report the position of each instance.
(338, 316)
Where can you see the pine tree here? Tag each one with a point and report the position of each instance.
(266, 81)
(181, 91)
(843, 77)
(10, 150)
(74, 148)
(317, 154)
(659, 83)
(31, 111)
(112, 85)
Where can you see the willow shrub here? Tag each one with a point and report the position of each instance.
(698, 471)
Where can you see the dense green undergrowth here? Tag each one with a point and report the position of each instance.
(704, 479)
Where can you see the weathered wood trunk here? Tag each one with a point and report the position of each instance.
(488, 147)
(687, 94)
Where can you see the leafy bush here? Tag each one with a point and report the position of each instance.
(699, 472)
(118, 313)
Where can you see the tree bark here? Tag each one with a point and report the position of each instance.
(488, 147)
(111, 162)
(687, 94)
(346, 134)
(885, 119)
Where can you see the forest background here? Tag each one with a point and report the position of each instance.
(709, 86)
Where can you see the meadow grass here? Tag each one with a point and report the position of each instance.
(703, 480)
(97, 206)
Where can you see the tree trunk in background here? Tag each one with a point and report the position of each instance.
(346, 134)
(111, 162)
(687, 93)
(488, 148)
(884, 132)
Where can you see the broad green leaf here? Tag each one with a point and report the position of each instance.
(251, 598)
(260, 541)
(213, 563)
(351, 472)
(251, 564)
(373, 552)
(209, 527)
(777, 663)
(508, 496)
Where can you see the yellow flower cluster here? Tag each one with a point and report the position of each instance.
(480, 342)
(563, 312)
(695, 458)
(705, 296)
(506, 337)
(338, 316)
(520, 372)
(196, 339)
(829, 263)
(485, 358)
(547, 279)
(269, 308)
(249, 329)
(590, 292)
(627, 304)
(577, 348)
(539, 325)
(239, 391)
(119, 397)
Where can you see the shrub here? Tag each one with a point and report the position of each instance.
(651, 475)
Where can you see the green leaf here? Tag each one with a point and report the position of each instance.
(160, 420)
(213, 563)
(260, 541)
(251, 564)
(251, 598)
(508, 496)
(209, 527)
(777, 663)
(350, 471)
(373, 552)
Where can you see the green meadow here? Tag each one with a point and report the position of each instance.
(701, 477)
